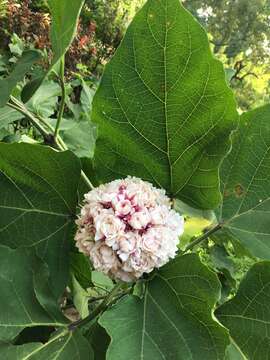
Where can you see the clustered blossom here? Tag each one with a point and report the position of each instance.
(127, 228)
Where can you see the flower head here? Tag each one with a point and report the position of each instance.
(127, 228)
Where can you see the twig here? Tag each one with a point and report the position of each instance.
(48, 137)
(203, 237)
(99, 309)
(45, 134)
(63, 98)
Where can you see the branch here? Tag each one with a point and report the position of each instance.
(63, 98)
(16, 105)
(99, 309)
(58, 143)
(203, 237)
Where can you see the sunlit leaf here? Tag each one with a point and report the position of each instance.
(163, 108)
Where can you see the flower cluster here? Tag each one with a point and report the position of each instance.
(127, 228)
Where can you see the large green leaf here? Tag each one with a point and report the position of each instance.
(246, 184)
(163, 108)
(247, 315)
(174, 319)
(62, 346)
(22, 66)
(65, 16)
(38, 202)
(80, 138)
(26, 300)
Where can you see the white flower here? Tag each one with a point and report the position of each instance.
(175, 222)
(122, 207)
(127, 228)
(103, 257)
(151, 240)
(140, 219)
(159, 215)
(107, 226)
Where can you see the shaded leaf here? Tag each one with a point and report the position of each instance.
(100, 280)
(81, 269)
(87, 95)
(45, 100)
(81, 138)
(247, 315)
(173, 321)
(22, 66)
(8, 115)
(246, 184)
(222, 259)
(38, 203)
(80, 297)
(99, 340)
(21, 301)
(61, 346)
(163, 108)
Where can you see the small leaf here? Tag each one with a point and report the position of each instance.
(99, 340)
(20, 299)
(8, 115)
(174, 320)
(244, 212)
(81, 138)
(65, 16)
(38, 203)
(247, 315)
(163, 108)
(101, 281)
(61, 346)
(22, 66)
(80, 297)
(81, 269)
(45, 100)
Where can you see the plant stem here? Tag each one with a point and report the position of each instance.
(63, 98)
(56, 142)
(203, 237)
(46, 135)
(86, 180)
(99, 309)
